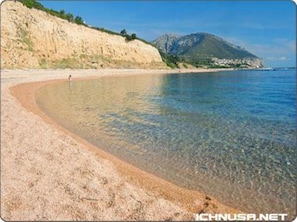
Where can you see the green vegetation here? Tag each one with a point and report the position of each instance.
(127, 36)
(123, 32)
(61, 14)
(33, 4)
(43, 63)
(170, 60)
(25, 38)
(105, 30)
(65, 63)
(133, 36)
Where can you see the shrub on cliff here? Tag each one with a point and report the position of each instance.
(62, 14)
(123, 32)
(79, 20)
(32, 4)
(128, 37)
(133, 36)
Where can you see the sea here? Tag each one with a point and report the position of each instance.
(229, 134)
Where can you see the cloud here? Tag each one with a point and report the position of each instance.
(286, 43)
(282, 58)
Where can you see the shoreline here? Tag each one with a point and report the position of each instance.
(167, 196)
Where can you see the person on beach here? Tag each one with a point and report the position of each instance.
(70, 77)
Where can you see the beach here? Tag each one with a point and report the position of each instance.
(49, 173)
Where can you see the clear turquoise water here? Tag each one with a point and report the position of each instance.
(231, 135)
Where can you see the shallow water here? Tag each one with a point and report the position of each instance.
(231, 135)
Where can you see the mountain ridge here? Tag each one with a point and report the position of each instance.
(205, 49)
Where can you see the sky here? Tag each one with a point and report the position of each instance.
(264, 28)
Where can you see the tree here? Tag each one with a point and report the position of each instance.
(128, 37)
(32, 4)
(133, 36)
(62, 12)
(123, 32)
(69, 17)
(78, 20)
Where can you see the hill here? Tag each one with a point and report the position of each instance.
(204, 49)
(32, 38)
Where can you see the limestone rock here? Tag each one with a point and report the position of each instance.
(31, 38)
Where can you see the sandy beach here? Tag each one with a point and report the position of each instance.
(48, 173)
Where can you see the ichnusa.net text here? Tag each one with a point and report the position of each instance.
(240, 217)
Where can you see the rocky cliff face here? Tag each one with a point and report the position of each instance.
(34, 39)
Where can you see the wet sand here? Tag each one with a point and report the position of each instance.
(49, 173)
